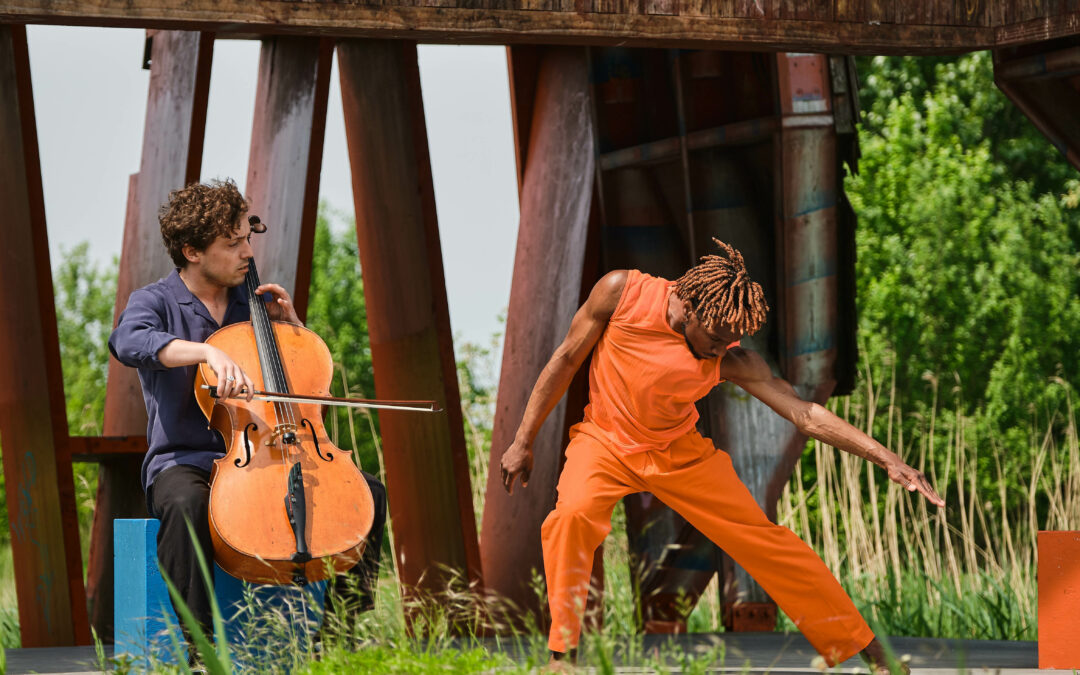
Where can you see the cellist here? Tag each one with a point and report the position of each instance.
(162, 333)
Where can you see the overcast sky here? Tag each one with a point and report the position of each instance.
(90, 101)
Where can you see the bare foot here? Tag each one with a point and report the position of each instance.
(875, 657)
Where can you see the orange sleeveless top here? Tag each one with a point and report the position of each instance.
(643, 380)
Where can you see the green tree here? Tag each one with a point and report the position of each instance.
(977, 110)
(336, 311)
(85, 293)
(967, 246)
(85, 297)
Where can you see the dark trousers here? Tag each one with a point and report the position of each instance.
(181, 494)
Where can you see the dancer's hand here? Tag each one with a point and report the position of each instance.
(518, 459)
(913, 480)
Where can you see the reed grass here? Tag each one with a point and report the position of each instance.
(967, 571)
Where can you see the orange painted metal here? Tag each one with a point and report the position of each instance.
(1059, 611)
(556, 199)
(412, 349)
(249, 523)
(286, 157)
(171, 159)
(33, 425)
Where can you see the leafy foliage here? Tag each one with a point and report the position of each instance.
(85, 296)
(336, 311)
(968, 246)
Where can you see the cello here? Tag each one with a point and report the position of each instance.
(284, 498)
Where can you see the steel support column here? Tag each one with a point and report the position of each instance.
(286, 157)
(171, 158)
(33, 422)
(763, 446)
(556, 198)
(412, 348)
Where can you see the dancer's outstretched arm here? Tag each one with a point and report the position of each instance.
(586, 328)
(748, 369)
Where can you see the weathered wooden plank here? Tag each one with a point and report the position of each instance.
(476, 4)
(1034, 9)
(32, 417)
(813, 10)
(544, 295)
(286, 157)
(942, 12)
(877, 34)
(972, 12)
(849, 10)
(1038, 30)
(881, 11)
(669, 7)
(1006, 13)
(534, 5)
(427, 470)
(171, 158)
(761, 9)
(913, 12)
(697, 7)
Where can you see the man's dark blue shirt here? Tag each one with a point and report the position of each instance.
(157, 314)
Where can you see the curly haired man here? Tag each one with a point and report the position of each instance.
(162, 332)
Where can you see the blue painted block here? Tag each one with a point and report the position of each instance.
(144, 614)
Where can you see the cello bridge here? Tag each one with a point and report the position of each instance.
(286, 432)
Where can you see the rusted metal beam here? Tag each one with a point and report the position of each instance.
(763, 446)
(286, 157)
(1058, 63)
(556, 199)
(104, 448)
(523, 67)
(699, 25)
(745, 132)
(171, 158)
(1038, 29)
(1045, 88)
(412, 347)
(33, 424)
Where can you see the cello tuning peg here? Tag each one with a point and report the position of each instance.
(256, 225)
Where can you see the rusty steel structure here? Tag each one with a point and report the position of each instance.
(628, 156)
(688, 146)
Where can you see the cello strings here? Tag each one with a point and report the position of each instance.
(275, 364)
(263, 329)
(263, 333)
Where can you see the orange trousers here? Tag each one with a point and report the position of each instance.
(698, 482)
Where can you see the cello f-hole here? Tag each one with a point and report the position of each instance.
(315, 438)
(247, 446)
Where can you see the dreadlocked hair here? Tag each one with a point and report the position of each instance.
(720, 291)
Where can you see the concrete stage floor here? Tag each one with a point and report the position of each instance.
(743, 652)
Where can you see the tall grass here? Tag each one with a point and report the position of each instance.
(967, 571)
